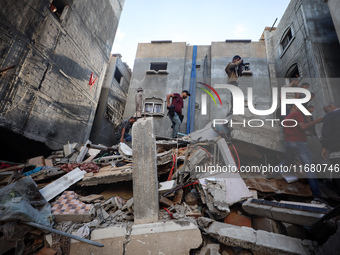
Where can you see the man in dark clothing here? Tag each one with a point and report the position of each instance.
(175, 110)
(234, 70)
(308, 118)
(331, 141)
(296, 145)
(123, 129)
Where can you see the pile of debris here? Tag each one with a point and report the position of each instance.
(86, 193)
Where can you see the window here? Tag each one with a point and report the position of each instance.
(59, 8)
(286, 40)
(118, 75)
(158, 66)
(293, 72)
(154, 106)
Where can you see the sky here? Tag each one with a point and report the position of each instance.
(196, 22)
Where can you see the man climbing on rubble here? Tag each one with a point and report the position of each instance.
(123, 129)
(234, 70)
(296, 145)
(331, 141)
(175, 110)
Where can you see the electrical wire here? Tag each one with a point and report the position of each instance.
(174, 156)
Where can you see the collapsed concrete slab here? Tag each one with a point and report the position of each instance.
(259, 242)
(230, 181)
(108, 174)
(175, 237)
(297, 213)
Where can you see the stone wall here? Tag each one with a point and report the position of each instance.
(46, 96)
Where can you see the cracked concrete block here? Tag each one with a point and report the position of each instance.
(175, 237)
(112, 238)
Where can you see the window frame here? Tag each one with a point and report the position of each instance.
(154, 101)
(283, 48)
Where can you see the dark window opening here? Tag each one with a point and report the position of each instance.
(57, 7)
(287, 38)
(158, 66)
(293, 72)
(198, 66)
(118, 75)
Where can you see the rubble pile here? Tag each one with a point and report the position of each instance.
(80, 191)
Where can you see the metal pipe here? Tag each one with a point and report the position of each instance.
(273, 25)
(102, 147)
(32, 224)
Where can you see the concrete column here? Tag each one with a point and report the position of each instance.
(144, 176)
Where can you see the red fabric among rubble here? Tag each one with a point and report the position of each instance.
(4, 165)
(88, 167)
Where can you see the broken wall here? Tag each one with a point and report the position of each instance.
(46, 96)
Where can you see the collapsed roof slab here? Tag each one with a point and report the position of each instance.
(259, 242)
(175, 237)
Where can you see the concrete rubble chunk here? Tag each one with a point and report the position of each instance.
(164, 157)
(175, 237)
(166, 186)
(216, 198)
(290, 215)
(145, 181)
(259, 242)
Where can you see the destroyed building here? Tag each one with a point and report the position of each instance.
(53, 60)
(159, 195)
